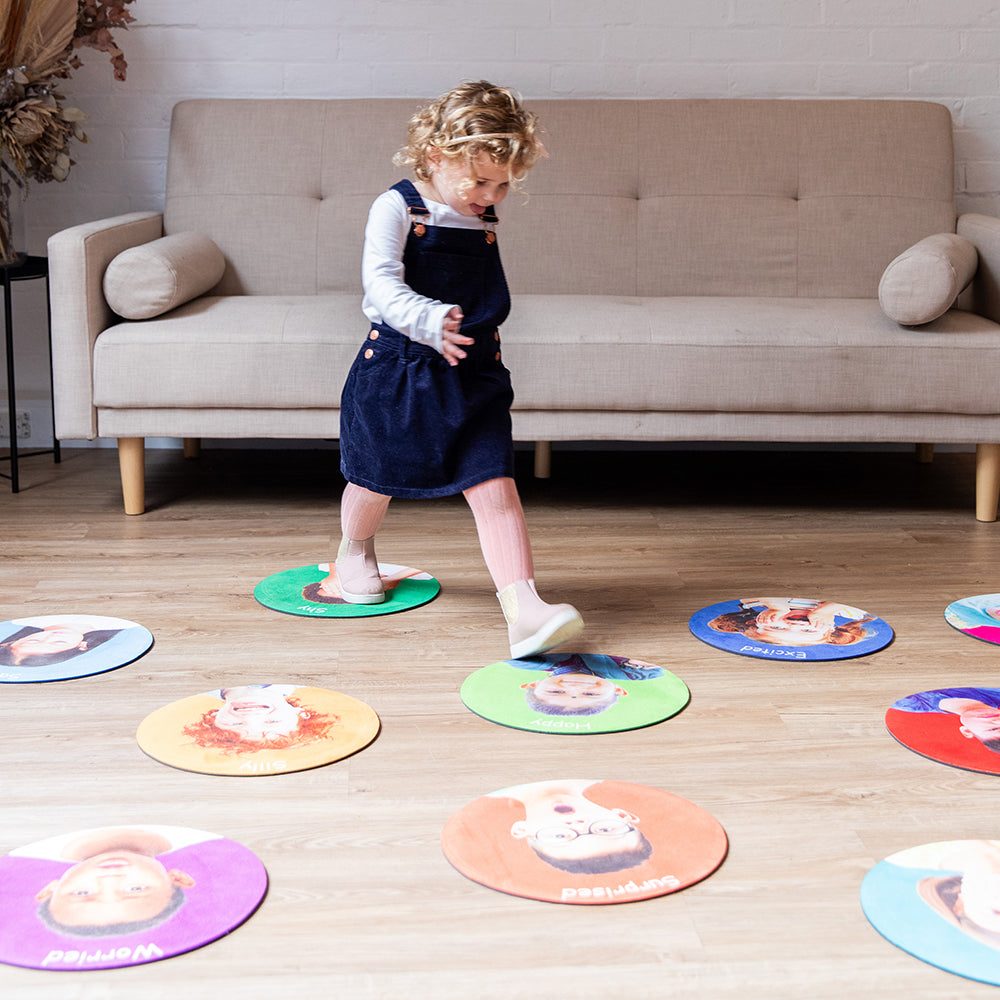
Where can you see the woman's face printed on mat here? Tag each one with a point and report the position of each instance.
(256, 713)
(117, 886)
(568, 826)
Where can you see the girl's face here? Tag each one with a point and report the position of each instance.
(468, 188)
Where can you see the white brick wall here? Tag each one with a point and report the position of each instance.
(942, 50)
(926, 49)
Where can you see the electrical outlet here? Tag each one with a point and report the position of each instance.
(23, 425)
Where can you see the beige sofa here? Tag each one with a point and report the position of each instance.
(697, 270)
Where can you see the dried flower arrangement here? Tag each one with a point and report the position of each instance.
(39, 46)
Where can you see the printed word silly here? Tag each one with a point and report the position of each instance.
(310, 609)
(760, 650)
(619, 892)
(120, 956)
(262, 767)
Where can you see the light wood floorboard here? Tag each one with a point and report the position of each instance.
(794, 760)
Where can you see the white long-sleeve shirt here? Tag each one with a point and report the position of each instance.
(388, 299)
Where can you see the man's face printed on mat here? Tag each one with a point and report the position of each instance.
(567, 826)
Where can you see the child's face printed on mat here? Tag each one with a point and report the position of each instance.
(256, 713)
(565, 826)
(117, 886)
(979, 899)
(791, 626)
(559, 690)
(51, 639)
(981, 722)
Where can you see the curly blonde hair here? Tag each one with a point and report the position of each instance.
(473, 118)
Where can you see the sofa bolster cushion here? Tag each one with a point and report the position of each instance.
(153, 278)
(923, 282)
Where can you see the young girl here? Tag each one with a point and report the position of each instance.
(425, 411)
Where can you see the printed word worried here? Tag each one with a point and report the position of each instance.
(122, 956)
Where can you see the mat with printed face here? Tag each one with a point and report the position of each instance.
(60, 647)
(583, 841)
(118, 896)
(574, 694)
(249, 730)
(959, 726)
(790, 628)
(312, 592)
(976, 616)
(941, 903)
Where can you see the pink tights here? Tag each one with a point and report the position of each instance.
(496, 507)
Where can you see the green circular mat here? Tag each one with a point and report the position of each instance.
(405, 588)
(574, 694)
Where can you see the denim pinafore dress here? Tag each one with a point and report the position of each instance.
(411, 425)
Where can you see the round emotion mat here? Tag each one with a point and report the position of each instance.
(790, 628)
(959, 726)
(583, 841)
(312, 592)
(941, 904)
(574, 693)
(255, 729)
(117, 896)
(59, 647)
(976, 616)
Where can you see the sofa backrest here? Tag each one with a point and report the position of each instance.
(659, 197)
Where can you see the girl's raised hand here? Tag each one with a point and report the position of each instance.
(451, 338)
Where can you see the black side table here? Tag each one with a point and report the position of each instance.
(30, 267)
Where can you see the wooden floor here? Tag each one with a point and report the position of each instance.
(793, 759)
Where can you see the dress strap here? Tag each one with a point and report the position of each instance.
(419, 211)
(411, 196)
(414, 205)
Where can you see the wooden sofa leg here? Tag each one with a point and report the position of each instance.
(131, 455)
(987, 481)
(543, 459)
(925, 454)
(192, 447)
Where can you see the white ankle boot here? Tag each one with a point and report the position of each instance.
(532, 625)
(357, 572)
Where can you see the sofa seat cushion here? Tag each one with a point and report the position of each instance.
(769, 355)
(567, 352)
(256, 351)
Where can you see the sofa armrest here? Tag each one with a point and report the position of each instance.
(983, 295)
(78, 258)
